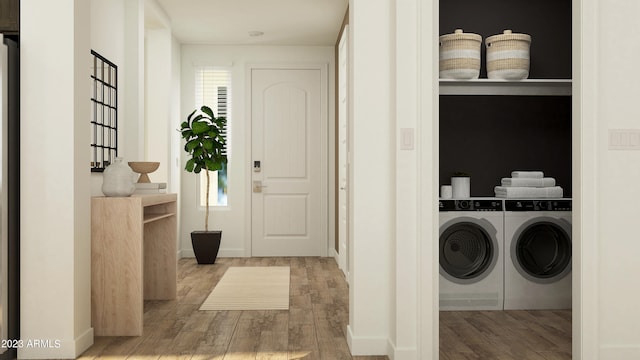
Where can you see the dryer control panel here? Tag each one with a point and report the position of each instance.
(537, 205)
(470, 205)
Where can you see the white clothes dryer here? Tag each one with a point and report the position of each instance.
(471, 254)
(538, 250)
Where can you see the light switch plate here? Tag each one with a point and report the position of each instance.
(624, 139)
(407, 139)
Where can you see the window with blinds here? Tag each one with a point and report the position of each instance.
(213, 89)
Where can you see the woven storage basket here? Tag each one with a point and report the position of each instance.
(460, 55)
(508, 56)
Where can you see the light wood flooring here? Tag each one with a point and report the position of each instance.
(505, 335)
(313, 328)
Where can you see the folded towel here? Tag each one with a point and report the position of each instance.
(527, 174)
(528, 192)
(544, 182)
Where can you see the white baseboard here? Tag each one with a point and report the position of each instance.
(621, 352)
(334, 254)
(366, 346)
(56, 348)
(396, 353)
(84, 342)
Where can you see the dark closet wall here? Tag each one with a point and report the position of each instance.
(547, 21)
(489, 136)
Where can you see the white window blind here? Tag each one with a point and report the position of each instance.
(213, 89)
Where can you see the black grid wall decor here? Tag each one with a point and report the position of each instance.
(104, 118)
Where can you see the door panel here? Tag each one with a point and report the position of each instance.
(285, 132)
(285, 215)
(286, 116)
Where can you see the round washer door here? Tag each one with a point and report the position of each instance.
(541, 251)
(468, 250)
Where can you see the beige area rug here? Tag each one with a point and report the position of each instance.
(251, 288)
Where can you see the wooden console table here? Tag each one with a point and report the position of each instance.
(133, 258)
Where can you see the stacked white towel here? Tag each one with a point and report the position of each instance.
(528, 184)
(528, 192)
(527, 174)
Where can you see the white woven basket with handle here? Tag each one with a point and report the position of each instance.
(508, 56)
(460, 55)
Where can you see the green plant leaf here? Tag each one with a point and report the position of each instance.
(186, 134)
(199, 127)
(212, 165)
(207, 110)
(207, 144)
(191, 145)
(190, 164)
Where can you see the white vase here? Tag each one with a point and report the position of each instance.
(461, 187)
(118, 179)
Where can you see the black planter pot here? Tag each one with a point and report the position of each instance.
(206, 245)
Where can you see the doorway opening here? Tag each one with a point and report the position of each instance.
(490, 132)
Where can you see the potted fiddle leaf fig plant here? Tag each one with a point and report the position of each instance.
(206, 144)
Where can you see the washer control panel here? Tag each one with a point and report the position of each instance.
(470, 205)
(537, 205)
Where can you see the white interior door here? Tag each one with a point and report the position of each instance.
(343, 153)
(287, 163)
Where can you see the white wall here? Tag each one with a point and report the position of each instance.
(585, 215)
(122, 31)
(117, 30)
(162, 106)
(234, 219)
(161, 98)
(161, 140)
(428, 168)
(55, 274)
(55, 256)
(618, 180)
(404, 334)
(158, 81)
(372, 189)
(133, 73)
(107, 36)
(175, 166)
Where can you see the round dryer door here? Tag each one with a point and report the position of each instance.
(467, 252)
(542, 252)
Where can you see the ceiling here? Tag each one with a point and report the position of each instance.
(228, 22)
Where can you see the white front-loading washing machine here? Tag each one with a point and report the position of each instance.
(538, 247)
(471, 254)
